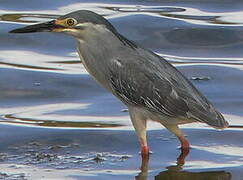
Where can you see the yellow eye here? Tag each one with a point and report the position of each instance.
(70, 22)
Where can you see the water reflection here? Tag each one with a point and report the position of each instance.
(145, 164)
(73, 115)
(41, 85)
(187, 14)
(166, 25)
(60, 124)
(148, 9)
(29, 66)
(176, 172)
(190, 15)
(27, 18)
(217, 20)
(55, 98)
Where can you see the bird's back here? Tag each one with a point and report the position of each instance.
(147, 80)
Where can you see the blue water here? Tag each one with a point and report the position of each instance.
(43, 83)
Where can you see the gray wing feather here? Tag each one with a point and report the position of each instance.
(138, 88)
(151, 82)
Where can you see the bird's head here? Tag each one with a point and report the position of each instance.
(76, 23)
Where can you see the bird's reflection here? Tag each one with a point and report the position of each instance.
(185, 175)
(176, 172)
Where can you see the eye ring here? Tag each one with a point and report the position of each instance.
(71, 22)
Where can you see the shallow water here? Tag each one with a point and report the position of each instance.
(43, 84)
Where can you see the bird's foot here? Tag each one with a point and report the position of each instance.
(183, 155)
(185, 149)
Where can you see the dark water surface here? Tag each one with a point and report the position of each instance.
(57, 123)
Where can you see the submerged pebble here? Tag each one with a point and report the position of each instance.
(3, 175)
(8, 176)
(45, 157)
(125, 157)
(99, 158)
(199, 78)
(37, 84)
(3, 156)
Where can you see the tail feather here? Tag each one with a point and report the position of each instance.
(211, 117)
(222, 123)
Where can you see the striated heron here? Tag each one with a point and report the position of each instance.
(151, 87)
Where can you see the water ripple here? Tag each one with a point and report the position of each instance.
(27, 18)
(190, 37)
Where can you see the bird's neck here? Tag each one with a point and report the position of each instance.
(97, 45)
(96, 50)
(98, 42)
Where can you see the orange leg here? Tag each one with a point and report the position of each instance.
(144, 169)
(184, 142)
(185, 149)
(144, 151)
(144, 147)
(139, 122)
(185, 146)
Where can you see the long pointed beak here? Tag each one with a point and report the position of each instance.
(42, 27)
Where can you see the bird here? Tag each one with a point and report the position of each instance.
(151, 87)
